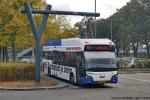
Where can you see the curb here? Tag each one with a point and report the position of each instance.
(33, 88)
(59, 86)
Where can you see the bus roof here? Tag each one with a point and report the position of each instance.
(76, 43)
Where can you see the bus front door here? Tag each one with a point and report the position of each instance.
(80, 66)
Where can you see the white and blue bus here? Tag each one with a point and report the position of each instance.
(82, 61)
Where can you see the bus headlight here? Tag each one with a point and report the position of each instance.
(114, 79)
(89, 77)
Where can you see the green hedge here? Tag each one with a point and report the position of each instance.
(12, 71)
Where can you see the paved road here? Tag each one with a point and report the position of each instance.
(130, 87)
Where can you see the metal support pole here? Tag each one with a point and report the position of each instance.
(95, 20)
(37, 36)
(35, 11)
(31, 19)
(37, 60)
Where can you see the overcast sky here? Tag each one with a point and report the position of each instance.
(104, 7)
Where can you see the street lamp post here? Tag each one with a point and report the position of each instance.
(95, 19)
(111, 30)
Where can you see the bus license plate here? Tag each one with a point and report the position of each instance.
(102, 82)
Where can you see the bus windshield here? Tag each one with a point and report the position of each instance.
(99, 63)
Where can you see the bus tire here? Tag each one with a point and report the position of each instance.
(72, 80)
(49, 72)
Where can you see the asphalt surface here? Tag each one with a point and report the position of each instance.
(130, 87)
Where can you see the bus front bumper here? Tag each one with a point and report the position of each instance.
(87, 80)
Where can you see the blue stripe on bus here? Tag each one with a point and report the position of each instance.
(53, 43)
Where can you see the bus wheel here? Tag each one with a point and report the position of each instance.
(72, 80)
(49, 72)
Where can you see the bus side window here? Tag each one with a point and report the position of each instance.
(48, 55)
(61, 58)
(55, 57)
(43, 54)
(73, 59)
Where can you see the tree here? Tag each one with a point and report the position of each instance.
(130, 26)
(15, 30)
(81, 29)
(14, 25)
